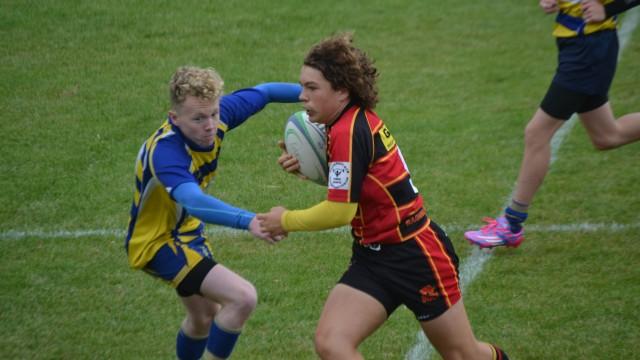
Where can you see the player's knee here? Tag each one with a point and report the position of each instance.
(245, 300)
(330, 346)
(534, 137)
(603, 143)
(324, 348)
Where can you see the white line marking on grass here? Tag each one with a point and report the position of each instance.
(217, 231)
(474, 263)
(117, 233)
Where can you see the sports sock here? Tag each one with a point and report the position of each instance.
(519, 206)
(188, 348)
(498, 354)
(516, 214)
(221, 341)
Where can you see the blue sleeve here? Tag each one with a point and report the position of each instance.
(170, 163)
(209, 209)
(238, 106)
(280, 92)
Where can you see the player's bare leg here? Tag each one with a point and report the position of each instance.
(236, 298)
(451, 334)
(537, 155)
(349, 316)
(236, 295)
(507, 229)
(608, 133)
(200, 314)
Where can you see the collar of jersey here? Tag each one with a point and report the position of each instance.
(348, 107)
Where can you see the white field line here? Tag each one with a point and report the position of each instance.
(213, 231)
(474, 263)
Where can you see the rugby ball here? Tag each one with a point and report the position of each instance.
(307, 141)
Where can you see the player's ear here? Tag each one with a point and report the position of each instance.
(343, 95)
(172, 114)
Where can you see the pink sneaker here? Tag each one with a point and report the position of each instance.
(497, 232)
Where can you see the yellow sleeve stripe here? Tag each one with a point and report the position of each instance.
(325, 215)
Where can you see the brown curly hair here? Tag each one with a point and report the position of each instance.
(346, 67)
(203, 83)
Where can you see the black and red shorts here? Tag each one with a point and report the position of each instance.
(421, 273)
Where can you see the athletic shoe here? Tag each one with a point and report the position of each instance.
(497, 232)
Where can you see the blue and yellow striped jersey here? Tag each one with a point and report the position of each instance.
(168, 159)
(569, 22)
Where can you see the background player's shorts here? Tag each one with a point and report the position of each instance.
(421, 273)
(561, 102)
(586, 67)
(183, 265)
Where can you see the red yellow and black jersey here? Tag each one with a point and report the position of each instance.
(366, 167)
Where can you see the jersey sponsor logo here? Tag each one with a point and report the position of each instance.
(415, 217)
(387, 139)
(339, 174)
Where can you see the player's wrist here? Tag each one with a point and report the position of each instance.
(245, 220)
(283, 221)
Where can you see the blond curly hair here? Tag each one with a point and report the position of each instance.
(203, 83)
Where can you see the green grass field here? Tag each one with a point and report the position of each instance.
(84, 84)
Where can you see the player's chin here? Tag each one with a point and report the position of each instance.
(206, 142)
(312, 115)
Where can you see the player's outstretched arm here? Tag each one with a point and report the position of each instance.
(237, 107)
(280, 92)
(324, 215)
(214, 211)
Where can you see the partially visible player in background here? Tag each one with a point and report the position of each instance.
(587, 43)
(400, 255)
(166, 232)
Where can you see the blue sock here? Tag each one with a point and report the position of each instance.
(221, 341)
(189, 348)
(515, 219)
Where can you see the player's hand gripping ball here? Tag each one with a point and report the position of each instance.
(307, 141)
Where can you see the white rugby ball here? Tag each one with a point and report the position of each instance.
(307, 141)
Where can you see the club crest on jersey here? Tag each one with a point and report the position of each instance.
(339, 173)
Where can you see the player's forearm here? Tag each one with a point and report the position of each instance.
(619, 6)
(209, 209)
(325, 215)
(280, 92)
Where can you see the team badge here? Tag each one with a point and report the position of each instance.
(428, 294)
(339, 174)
